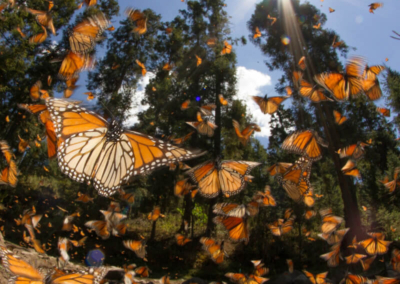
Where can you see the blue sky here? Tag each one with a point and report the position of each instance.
(368, 33)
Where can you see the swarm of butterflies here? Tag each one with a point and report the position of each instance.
(90, 149)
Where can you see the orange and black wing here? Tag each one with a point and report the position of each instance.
(237, 227)
(206, 176)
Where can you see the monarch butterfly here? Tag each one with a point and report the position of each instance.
(39, 38)
(35, 91)
(141, 65)
(314, 93)
(211, 41)
(5, 149)
(227, 48)
(203, 126)
(269, 105)
(331, 10)
(333, 256)
(168, 30)
(71, 86)
(317, 279)
(290, 265)
(309, 214)
(182, 188)
(9, 174)
(350, 169)
(138, 247)
(265, 198)
(317, 27)
(383, 111)
(289, 91)
(226, 176)
(198, 60)
(339, 118)
(366, 262)
(295, 183)
(237, 227)
(106, 148)
(22, 145)
(207, 109)
(370, 72)
(128, 197)
(43, 18)
(344, 86)
(354, 258)
(64, 245)
(139, 19)
(376, 244)
(279, 168)
(231, 210)
(74, 63)
(302, 63)
(329, 222)
(336, 44)
(84, 35)
(372, 89)
(143, 271)
(280, 227)
(44, 95)
(165, 280)
(222, 100)
(305, 143)
(155, 214)
(288, 213)
(67, 224)
(20, 32)
(354, 151)
(296, 77)
(259, 269)
(374, 6)
(168, 66)
(90, 95)
(257, 33)
(273, 19)
(100, 227)
(44, 117)
(84, 198)
(185, 105)
(181, 240)
(214, 249)
(244, 135)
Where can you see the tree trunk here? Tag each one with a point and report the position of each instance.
(153, 230)
(189, 205)
(351, 212)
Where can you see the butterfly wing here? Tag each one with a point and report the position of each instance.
(25, 272)
(232, 175)
(237, 227)
(206, 176)
(335, 83)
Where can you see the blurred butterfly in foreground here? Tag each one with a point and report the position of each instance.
(269, 105)
(139, 19)
(244, 135)
(203, 126)
(25, 273)
(90, 149)
(227, 176)
(374, 6)
(344, 86)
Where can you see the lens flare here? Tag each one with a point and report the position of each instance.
(198, 98)
(285, 39)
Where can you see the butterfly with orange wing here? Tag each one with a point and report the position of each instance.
(138, 247)
(203, 125)
(280, 227)
(374, 6)
(314, 93)
(376, 244)
(305, 143)
(346, 85)
(269, 105)
(265, 198)
(339, 118)
(139, 19)
(215, 249)
(92, 150)
(214, 176)
(244, 135)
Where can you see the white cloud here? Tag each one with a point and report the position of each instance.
(250, 83)
(137, 106)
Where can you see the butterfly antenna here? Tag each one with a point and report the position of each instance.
(397, 38)
(107, 109)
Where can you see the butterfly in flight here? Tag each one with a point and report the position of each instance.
(90, 149)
